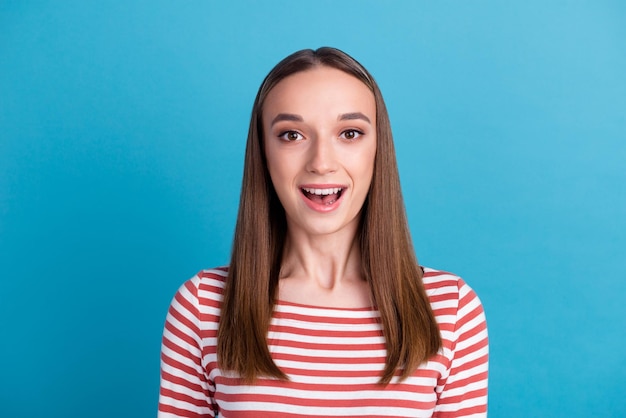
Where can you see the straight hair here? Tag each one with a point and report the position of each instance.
(388, 258)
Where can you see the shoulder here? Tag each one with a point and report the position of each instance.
(441, 284)
(450, 296)
(204, 289)
(211, 279)
(208, 280)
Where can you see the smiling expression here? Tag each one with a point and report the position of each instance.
(319, 129)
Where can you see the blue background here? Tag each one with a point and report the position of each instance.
(122, 130)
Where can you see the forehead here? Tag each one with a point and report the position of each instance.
(320, 88)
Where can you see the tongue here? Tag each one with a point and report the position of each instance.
(324, 199)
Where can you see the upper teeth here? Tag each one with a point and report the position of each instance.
(322, 191)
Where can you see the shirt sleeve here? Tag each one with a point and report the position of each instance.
(462, 392)
(185, 388)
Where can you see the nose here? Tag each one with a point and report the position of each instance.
(322, 159)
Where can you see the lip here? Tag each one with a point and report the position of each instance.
(318, 207)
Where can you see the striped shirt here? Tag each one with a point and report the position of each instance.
(333, 358)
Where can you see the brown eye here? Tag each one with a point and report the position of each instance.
(351, 134)
(291, 136)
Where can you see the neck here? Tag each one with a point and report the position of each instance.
(324, 270)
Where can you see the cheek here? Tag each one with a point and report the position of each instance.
(367, 167)
(273, 163)
(363, 162)
(280, 171)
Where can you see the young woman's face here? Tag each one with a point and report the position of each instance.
(320, 142)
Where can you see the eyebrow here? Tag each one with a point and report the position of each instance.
(288, 117)
(353, 116)
(291, 117)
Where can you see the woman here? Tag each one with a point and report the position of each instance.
(323, 310)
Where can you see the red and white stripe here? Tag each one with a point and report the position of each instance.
(333, 357)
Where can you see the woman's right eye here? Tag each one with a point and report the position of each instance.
(291, 136)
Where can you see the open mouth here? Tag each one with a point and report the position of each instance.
(322, 196)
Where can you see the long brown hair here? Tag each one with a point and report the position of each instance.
(389, 263)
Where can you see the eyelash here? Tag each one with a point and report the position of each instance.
(283, 136)
(356, 132)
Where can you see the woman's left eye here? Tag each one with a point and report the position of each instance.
(351, 134)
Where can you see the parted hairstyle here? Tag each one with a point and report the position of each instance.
(388, 259)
